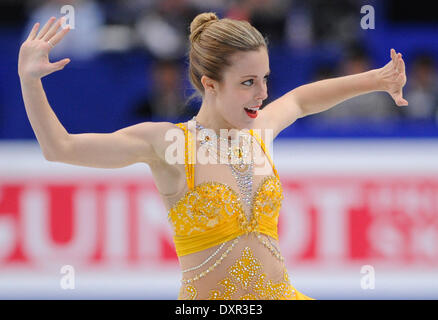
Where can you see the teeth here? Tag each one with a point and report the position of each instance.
(253, 109)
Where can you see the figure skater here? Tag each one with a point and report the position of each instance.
(224, 216)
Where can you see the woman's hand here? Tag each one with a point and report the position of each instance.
(33, 59)
(392, 78)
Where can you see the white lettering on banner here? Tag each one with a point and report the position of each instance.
(38, 244)
(332, 205)
(387, 240)
(414, 201)
(8, 236)
(115, 250)
(295, 215)
(151, 226)
(321, 218)
(405, 221)
(425, 242)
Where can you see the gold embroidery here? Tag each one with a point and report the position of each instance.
(210, 203)
(230, 289)
(269, 200)
(212, 207)
(245, 269)
(262, 290)
(243, 272)
(188, 293)
(248, 296)
(274, 291)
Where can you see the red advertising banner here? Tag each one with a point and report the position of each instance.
(391, 219)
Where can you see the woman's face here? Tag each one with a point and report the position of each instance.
(244, 85)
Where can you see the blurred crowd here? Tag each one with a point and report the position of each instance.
(161, 28)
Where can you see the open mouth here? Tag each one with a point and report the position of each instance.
(251, 112)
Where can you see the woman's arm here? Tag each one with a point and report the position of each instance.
(143, 142)
(322, 95)
(33, 64)
(118, 149)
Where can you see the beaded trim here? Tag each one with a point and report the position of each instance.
(211, 268)
(205, 261)
(268, 245)
(271, 248)
(274, 245)
(190, 154)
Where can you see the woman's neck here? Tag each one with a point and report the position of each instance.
(210, 120)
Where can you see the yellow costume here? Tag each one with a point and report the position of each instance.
(238, 250)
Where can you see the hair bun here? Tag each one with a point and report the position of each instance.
(200, 22)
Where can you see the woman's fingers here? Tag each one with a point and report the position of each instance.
(58, 37)
(46, 27)
(399, 78)
(401, 101)
(401, 66)
(33, 32)
(398, 98)
(396, 60)
(52, 31)
(60, 64)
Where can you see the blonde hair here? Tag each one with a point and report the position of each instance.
(213, 41)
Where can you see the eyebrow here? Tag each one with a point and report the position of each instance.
(252, 75)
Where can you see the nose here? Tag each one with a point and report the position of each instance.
(263, 91)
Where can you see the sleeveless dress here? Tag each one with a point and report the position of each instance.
(229, 251)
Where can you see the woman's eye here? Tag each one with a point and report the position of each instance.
(252, 80)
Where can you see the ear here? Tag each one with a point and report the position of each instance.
(209, 84)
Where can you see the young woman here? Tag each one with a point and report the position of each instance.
(224, 213)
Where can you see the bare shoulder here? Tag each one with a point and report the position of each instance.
(164, 135)
(168, 174)
(264, 128)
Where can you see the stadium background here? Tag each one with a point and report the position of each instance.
(360, 180)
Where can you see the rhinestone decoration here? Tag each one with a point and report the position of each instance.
(218, 262)
(211, 205)
(188, 293)
(274, 291)
(205, 261)
(245, 269)
(237, 157)
(250, 271)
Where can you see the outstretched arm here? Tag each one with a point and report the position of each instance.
(33, 64)
(113, 150)
(322, 95)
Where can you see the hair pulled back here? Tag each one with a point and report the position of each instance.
(213, 41)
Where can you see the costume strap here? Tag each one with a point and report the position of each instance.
(189, 156)
(262, 144)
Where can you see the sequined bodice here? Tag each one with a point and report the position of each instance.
(213, 211)
(210, 217)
